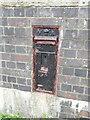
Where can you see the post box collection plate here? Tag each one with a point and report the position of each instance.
(45, 49)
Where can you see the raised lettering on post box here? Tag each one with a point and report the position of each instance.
(45, 50)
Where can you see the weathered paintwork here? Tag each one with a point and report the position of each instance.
(45, 45)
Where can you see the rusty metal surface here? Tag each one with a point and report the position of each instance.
(45, 49)
(45, 31)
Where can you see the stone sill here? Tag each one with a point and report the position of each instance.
(44, 3)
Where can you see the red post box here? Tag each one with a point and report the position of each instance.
(45, 50)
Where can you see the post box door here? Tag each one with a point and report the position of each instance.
(45, 71)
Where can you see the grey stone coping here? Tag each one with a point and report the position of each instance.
(44, 3)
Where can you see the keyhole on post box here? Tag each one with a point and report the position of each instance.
(45, 56)
(43, 60)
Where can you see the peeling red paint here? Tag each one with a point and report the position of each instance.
(58, 61)
(51, 36)
(45, 42)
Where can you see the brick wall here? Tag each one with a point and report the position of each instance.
(16, 48)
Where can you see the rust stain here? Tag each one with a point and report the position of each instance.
(44, 70)
(84, 113)
(40, 87)
(69, 96)
(22, 58)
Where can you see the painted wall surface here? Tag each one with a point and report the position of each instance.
(16, 20)
(38, 105)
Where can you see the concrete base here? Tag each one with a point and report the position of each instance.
(36, 104)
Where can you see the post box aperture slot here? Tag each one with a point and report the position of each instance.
(45, 50)
(45, 40)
